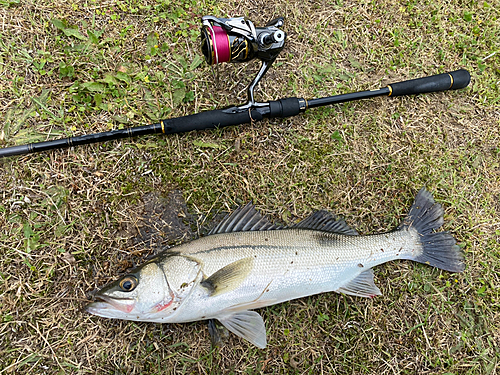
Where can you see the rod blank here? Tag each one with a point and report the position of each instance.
(235, 116)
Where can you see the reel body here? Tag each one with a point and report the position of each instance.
(238, 40)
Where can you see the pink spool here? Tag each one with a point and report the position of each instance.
(221, 50)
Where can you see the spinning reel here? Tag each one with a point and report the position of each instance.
(238, 40)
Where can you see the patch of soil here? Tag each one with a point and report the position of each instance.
(163, 221)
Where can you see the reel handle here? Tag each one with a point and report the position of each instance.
(440, 82)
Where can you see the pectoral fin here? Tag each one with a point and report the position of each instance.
(229, 277)
(248, 325)
(361, 286)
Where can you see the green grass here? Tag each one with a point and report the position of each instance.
(69, 218)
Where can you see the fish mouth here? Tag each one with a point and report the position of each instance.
(104, 303)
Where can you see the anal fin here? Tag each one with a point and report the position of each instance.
(361, 286)
(248, 325)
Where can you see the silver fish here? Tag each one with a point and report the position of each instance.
(246, 263)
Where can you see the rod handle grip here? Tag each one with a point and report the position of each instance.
(217, 118)
(220, 118)
(440, 82)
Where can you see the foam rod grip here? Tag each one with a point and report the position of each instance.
(441, 82)
(218, 118)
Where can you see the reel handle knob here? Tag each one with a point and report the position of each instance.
(276, 37)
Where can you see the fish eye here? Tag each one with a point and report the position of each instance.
(128, 283)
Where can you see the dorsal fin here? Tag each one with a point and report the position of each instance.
(244, 219)
(327, 222)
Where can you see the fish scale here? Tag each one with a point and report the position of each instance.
(231, 272)
(312, 263)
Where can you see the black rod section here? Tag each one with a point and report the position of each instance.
(347, 97)
(80, 140)
(440, 82)
(219, 118)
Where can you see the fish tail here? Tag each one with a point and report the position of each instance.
(439, 248)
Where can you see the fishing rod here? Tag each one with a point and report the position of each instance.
(238, 40)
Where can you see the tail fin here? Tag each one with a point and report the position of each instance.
(439, 248)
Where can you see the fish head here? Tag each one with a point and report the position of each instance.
(144, 294)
